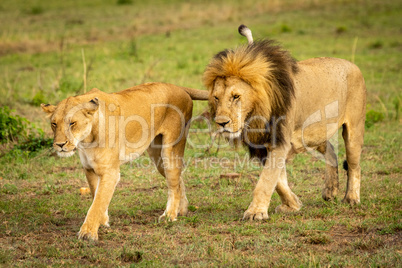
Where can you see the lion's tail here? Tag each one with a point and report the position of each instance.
(196, 94)
(245, 31)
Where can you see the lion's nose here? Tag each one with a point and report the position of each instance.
(223, 124)
(61, 144)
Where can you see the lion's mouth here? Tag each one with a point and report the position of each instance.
(230, 134)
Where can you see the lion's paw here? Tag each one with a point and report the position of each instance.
(329, 194)
(88, 233)
(286, 209)
(255, 215)
(292, 205)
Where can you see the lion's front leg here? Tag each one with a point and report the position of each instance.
(290, 202)
(274, 166)
(98, 212)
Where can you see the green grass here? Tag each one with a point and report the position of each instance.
(131, 42)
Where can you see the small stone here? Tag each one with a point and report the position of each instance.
(230, 176)
(84, 190)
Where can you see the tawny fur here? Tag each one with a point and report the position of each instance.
(297, 106)
(108, 130)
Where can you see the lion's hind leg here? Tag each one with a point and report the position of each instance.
(331, 186)
(353, 136)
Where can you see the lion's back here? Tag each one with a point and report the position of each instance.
(322, 81)
(328, 90)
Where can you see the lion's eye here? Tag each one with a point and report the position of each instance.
(236, 97)
(216, 98)
(72, 124)
(54, 125)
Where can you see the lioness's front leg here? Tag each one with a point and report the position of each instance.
(92, 179)
(98, 212)
(274, 166)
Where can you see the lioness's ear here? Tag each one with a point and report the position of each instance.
(48, 108)
(93, 90)
(93, 106)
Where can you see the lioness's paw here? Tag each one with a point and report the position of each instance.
(167, 217)
(254, 215)
(105, 221)
(183, 207)
(88, 234)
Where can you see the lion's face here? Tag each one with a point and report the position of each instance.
(231, 100)
(71, 123)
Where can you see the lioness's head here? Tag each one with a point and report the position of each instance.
(71, 122)
(249, 88)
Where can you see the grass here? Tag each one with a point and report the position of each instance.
(125, 44)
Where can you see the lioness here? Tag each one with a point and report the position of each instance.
(108, 130)
(279, 107)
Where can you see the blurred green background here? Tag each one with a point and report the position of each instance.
(50, 50)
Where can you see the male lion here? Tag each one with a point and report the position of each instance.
(279, 107)
(108, 130)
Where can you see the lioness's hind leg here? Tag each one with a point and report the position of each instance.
(290, 202)
(353, 136)
(183, 206)
(331, 186)
(173, 163)
(154, 152)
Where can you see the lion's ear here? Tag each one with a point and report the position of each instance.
(48, 108)
(92, 106)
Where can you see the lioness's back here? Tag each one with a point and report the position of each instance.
(156, 93)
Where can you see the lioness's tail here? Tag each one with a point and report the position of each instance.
(245, 31)
(196, 94)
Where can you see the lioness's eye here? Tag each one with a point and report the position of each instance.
(216, 98)
(54, 125)
(72, 124)
(236, 97)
